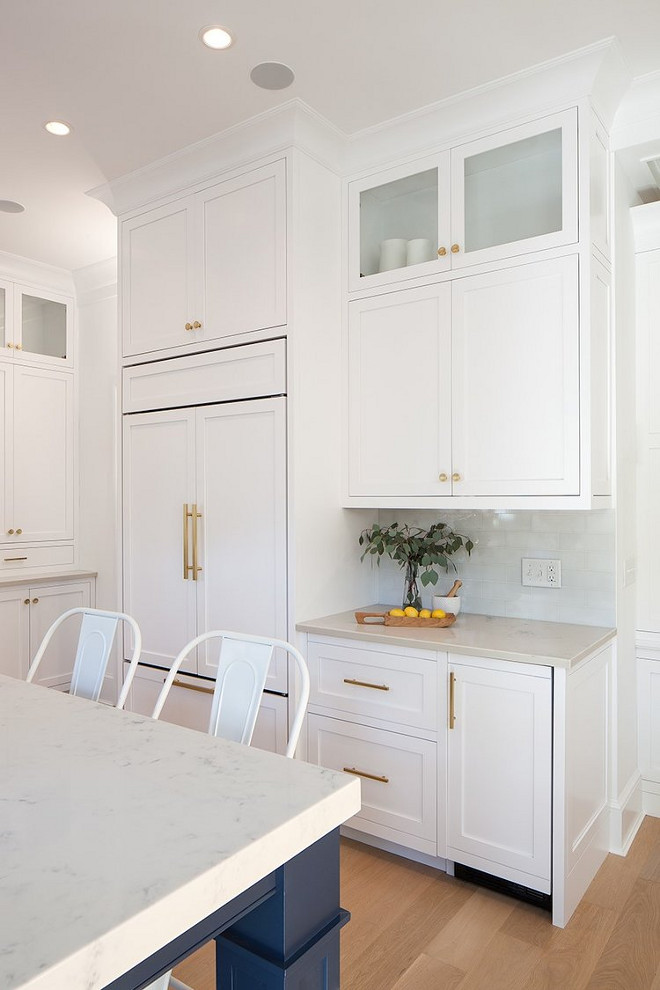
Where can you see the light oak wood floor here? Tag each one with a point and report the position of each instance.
(413, 928)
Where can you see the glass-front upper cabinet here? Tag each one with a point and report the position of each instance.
(399, 223)
(36, 325)
(508, 194)
(515, 192)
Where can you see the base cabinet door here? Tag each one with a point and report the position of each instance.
(398, 776)
(47, 603)
(14, 631)
(648, 699)
(500, 770)
(189, 704)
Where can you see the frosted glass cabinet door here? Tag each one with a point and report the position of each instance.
(399, 399)
(399, 223)
(515, 191)
(515, 381)
(44, 323)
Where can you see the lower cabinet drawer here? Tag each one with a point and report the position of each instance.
(189, 704)
(398, 774)
(25, 558)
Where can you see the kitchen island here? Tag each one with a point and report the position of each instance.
(126, 843)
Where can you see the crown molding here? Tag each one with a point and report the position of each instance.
(36, 273)
(96, 282)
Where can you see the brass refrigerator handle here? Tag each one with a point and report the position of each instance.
(452, 689)
(195, 553)
(186, 565)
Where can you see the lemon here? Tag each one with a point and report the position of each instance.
(437, 613)
(396, 611)
(411, 612)
(425, 613)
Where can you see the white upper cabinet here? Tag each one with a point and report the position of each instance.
(38, 442)
(505, 195)
(209, 267)
(35, 325)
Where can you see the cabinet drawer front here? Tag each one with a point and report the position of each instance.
(376, 684)
(25, 558)
(246, 372)
(397, 774)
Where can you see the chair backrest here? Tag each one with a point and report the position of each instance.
(242, 669)
(97, 633)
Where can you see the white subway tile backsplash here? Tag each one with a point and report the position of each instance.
(583, 541)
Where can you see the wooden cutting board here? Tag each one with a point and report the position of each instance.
(385, 619)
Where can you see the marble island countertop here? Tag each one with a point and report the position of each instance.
(119, 832)
(555, 644)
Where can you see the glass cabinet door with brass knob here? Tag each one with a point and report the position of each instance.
(515, 191)
(36, 325)
(399, 223)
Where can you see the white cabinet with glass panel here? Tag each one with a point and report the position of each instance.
(35, 325)
(501, 196)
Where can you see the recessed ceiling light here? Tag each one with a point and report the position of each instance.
(58, 127)
(272, 75)
(9, 206)
(216, 37)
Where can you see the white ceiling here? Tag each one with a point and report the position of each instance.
(135, 82)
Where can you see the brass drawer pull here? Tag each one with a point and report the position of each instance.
(191, 687)
(369, 776)
(7, 559)
(376, 687)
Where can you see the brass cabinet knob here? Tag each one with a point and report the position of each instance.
(35, 601)
(9, 343)
(26, 601)
(442, 477)
(10, 532)
(197, 325)
(189, 326)
(19, 347)
(442, 251)
(455, 476)
(455, 249)
(18, 532)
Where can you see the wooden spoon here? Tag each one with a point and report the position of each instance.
(454, 589)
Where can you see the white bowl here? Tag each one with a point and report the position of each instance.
(452, 605)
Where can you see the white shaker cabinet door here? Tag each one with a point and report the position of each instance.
(43, 438)
(399, 393)
(6, 449)
(47, 603)
(14, 631)
(159, 479)
(500, 771)
(241, 495)
(240, 260)
(157, 284)
(515, 384)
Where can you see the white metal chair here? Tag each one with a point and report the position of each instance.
(242, 670)
(97, 633)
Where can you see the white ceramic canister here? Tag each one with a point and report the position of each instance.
(393, 253)
(418, 250)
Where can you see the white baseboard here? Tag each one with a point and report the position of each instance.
(393, 847)
(626, 816)
(651, 797)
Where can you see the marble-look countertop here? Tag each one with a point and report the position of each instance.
(118, 833)
(555, 644)
(45, 576)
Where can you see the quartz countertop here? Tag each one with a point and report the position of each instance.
(119, 833)
(44, 576)
(555, 644)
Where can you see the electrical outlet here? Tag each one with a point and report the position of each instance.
(538, 572)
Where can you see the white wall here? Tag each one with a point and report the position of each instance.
(96, 292)
(582, 541)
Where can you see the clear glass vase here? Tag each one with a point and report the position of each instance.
(411, 594)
